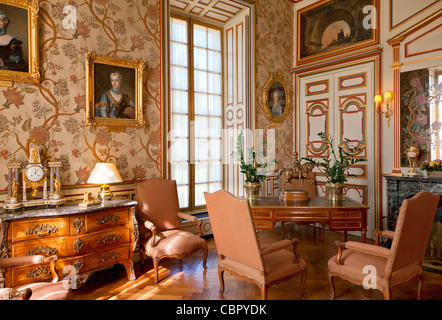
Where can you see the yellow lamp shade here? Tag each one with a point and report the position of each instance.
(388, 95)
(378, 98)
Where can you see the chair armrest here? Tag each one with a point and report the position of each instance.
(275, 246)
(52, 260)
(281, 245)
(21, 261)
(386, 233)
(192, 218)
(11, 293)
(149, 225)
(361, 247)
(187, 216)
(29, 260)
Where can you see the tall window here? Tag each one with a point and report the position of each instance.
(196, 110)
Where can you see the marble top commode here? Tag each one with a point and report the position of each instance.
(65, 210)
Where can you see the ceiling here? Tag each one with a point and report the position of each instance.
(219, 11)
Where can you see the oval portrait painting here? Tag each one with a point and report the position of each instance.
(277, 99)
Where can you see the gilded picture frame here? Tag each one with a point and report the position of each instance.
(114, 92)
(276, 99)
(332, 28)
(19, 54)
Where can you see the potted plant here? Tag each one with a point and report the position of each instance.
(254, 172)
(336, 167)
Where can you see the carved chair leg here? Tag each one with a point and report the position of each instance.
(264, 291)
(155, 268)
(141, 252)
(303, 280)
(420, 287)
(206, 250)
(387, 294)
(332, 284)
(221, 280)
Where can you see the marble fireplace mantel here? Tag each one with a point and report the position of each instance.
(400, 188)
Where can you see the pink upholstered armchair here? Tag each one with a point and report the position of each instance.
(239, 250)
(159, 215)
(400, 265)
(55, 290)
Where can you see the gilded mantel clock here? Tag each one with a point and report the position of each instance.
(35, 176)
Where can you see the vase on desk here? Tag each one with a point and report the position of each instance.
(252, 190)
(335, 191)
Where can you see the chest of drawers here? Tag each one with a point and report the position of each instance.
(84, 240)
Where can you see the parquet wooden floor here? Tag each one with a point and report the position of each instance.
(187, 280)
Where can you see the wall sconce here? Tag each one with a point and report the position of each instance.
(388, 96)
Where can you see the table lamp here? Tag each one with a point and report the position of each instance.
(105, 173)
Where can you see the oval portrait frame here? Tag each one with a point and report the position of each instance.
(276, 85)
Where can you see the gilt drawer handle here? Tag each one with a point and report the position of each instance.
(42, 231)
(39, 273)
(108, 219)
(78, 265)
(78, 245)
(108, 256)
(107, 238)
(78, 224)
(47, 251)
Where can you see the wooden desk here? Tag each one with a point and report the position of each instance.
(346, 215)
(86, 239)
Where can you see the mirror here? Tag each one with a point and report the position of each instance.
(421, 113)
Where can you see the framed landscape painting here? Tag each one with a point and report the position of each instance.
(336, 27)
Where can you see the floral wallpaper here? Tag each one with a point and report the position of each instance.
(274, 51)
(419, 124)
(53, 112)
